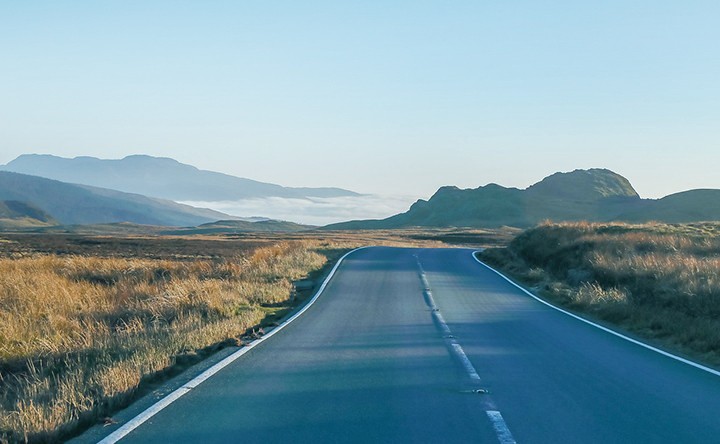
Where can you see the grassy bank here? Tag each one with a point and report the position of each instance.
(80, 334)
(659, 281)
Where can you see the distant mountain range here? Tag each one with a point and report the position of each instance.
(594, 195)
(46, 200)
(38, 203)
(158, 177)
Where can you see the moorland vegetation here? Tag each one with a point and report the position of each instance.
(80, 334)
(658, 281)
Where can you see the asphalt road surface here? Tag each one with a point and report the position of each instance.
(381, 358)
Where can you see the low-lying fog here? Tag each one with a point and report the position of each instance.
(314, 211)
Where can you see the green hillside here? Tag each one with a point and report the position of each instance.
(13, 209)
(21, 215)
(688, 206)
(583, 185)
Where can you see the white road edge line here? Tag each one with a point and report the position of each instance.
(501, 429)
(605, 329)
(134, 423)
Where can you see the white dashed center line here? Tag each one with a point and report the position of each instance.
(501, 429)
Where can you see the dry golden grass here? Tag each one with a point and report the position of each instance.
(659, 280)
(79, 334)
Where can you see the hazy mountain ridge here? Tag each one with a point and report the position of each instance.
(598, 195)
(80, 204)
(159, 177)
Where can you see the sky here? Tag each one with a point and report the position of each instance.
(385, 97)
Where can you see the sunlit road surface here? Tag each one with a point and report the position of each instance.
(409, 345)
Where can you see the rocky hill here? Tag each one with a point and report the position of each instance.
(593, 195)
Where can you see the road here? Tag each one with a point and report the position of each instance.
(379, 359)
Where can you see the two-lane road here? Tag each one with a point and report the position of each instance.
(369, 362)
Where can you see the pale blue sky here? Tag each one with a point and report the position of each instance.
(376, 96)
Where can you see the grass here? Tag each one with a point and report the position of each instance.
(78, 335)
(659, 281)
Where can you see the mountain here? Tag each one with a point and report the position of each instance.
(157, 177)
(687, 206)
(584, 185)
(81, 204)
(19, 215)
(13, 209)
(598, 195)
